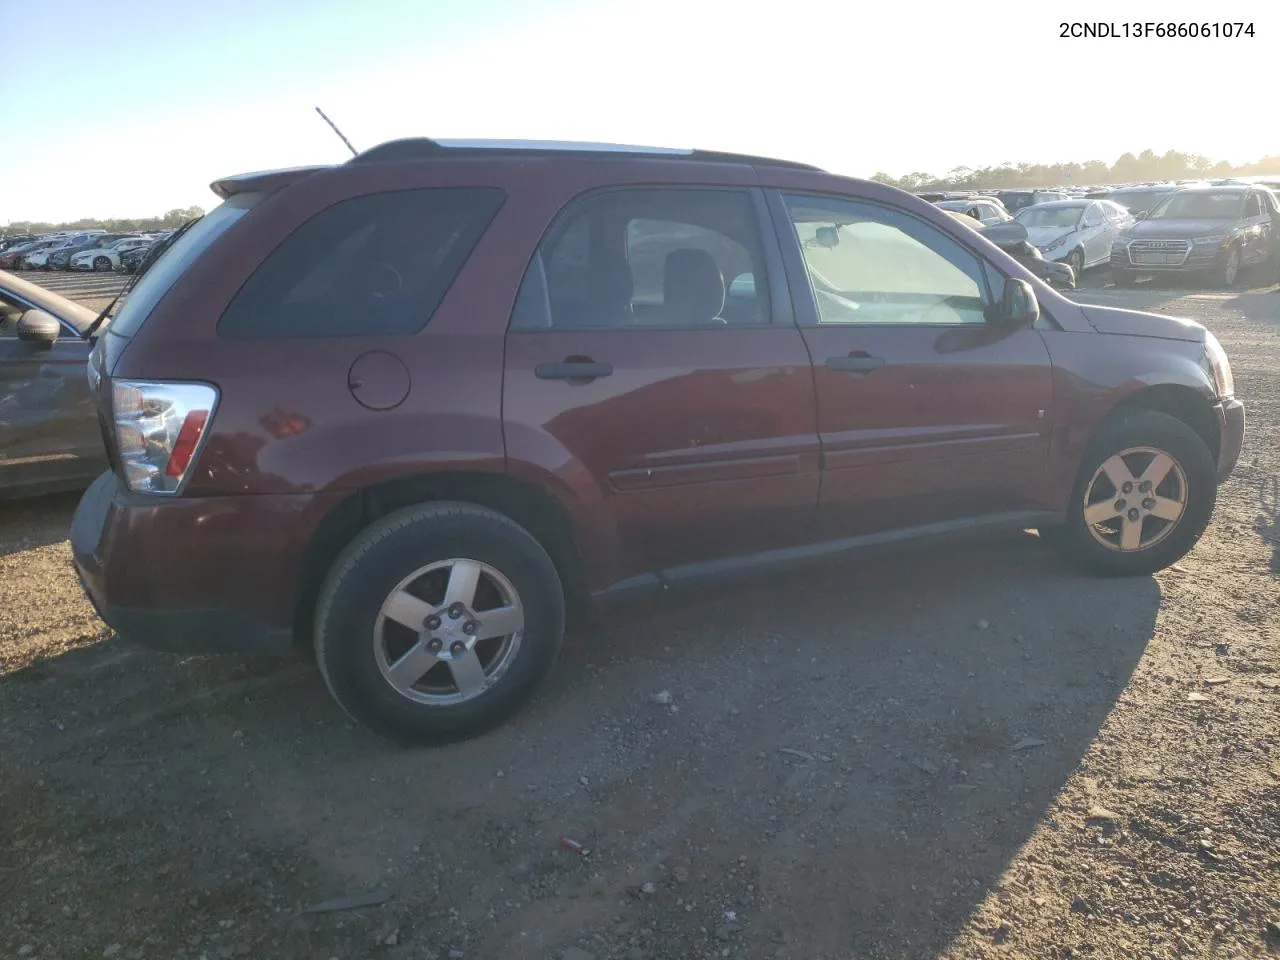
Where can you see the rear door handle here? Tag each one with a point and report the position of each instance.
(855, 363)
(573, 369)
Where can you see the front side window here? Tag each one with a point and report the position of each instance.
(871, 265)
(1252, 207)
(660, 257)
(376, 264)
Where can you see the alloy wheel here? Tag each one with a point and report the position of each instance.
(1135, 499)
(448, 631)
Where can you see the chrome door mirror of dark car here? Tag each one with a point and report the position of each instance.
(39, 327)
(1017, 307)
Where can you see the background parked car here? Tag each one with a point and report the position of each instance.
(11, 259)
(61, 259)
(8, 243)
(986, 210)
(49, 434)
(106, 258)
(1211, 230)
(1140, 199)
(1011, 237)
(38, 259)
(1077, 232)
(1015, 200)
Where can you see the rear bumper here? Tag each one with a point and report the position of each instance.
(194, 575)
(1231, 433)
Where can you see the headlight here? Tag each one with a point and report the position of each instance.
(1054, 244)
(1219, 367)
(159, 428)
(1211, 241)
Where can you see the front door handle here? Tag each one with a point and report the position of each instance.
(579, 369)
(857, 362)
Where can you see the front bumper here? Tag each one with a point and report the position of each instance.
(193, 574)
(1230, 414)
(82, 265)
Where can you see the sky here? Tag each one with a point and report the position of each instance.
(134, 107)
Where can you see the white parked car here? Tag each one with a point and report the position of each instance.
(107, 258)
(1076, 232)
(986, 210)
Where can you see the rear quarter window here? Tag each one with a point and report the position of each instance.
(376, 264)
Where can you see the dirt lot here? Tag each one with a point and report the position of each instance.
(960, 752)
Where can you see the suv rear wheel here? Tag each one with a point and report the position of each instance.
(1229, 269)
(1146, 489)
(438, 622)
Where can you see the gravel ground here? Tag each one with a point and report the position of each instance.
(930, 752)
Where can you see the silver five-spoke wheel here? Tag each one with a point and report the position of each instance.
(448, 631)
(1135, 499)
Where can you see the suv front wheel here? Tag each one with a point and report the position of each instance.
(1145, 492)
(438, 622)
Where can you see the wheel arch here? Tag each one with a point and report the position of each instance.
(1181, 402)
(533, 507)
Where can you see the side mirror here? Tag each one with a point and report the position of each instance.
(1018, 306)
(39, 327)
(1140, 215)
(827, 237)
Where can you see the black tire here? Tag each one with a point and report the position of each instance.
(370, 568)
(1227, 272)
(1124, 278)
(1075, 260)
(1125, 430)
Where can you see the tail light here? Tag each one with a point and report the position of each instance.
(159, 427)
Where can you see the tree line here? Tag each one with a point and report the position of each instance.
(1147, 165)
(174, 218)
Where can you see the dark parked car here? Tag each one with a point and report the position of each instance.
(49, 434)
(1012, 237)
(130, 259)
(8, 243)
(1214, 231)
(1015, 200)
(404, 409)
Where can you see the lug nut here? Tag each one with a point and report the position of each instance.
(435, 644)
(457, 647)
(455, 610)
(1148, 504)
(1133, 513)
(1145, 486)
(470, 628)
(1119, 505)
(432, 622)
(1127, 488)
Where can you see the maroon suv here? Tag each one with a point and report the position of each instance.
(401, 409)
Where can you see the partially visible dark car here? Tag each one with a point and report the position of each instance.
(130, 259)
(1213, 231)
(8, 243)
(49, 434)
(985, 210)
(1011, 237)
(404, 409)
(1015, 200)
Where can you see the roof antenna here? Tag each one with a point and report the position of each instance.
(337, 131)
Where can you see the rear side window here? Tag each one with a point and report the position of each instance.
(377, 264)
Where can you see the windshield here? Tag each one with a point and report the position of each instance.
(1141, 200)
(1200, 206)
(157, 280)
(1049, 216)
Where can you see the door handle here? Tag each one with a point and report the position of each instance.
(857, 362)
(582, 369)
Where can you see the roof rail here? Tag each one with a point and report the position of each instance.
(424, 148)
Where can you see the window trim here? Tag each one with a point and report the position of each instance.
(805, 303)
(781, 311)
